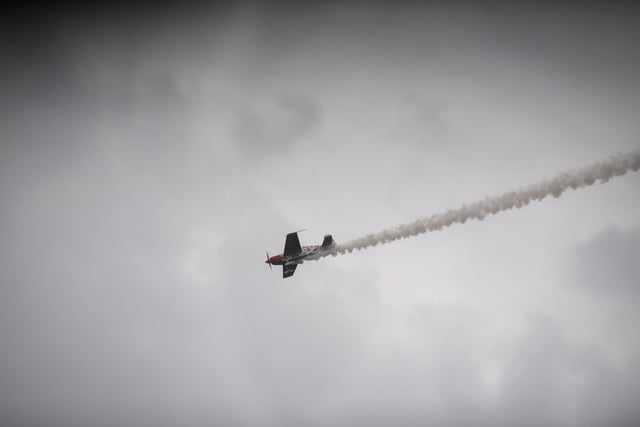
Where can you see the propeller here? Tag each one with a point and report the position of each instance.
(268, 261)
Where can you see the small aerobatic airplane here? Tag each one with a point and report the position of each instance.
(295, 254)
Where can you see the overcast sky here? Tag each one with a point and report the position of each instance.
(150, 155)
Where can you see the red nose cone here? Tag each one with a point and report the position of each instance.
(276, 260)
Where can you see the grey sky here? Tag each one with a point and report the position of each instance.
(149, 156)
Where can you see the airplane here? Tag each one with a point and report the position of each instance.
(295, 254)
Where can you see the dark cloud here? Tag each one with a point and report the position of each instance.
(281, 124)
(555, 379)
(608, 263)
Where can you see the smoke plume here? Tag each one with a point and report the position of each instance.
(602, 171)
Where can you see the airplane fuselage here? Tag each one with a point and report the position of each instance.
(308, 253)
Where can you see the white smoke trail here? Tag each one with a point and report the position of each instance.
(602, 171)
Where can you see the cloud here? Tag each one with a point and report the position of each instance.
(607, 263)
(554, 379)
(284, 121)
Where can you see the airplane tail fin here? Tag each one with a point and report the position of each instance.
(328, 241)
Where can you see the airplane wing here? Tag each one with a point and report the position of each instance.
(288, 270)
(292, 245)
